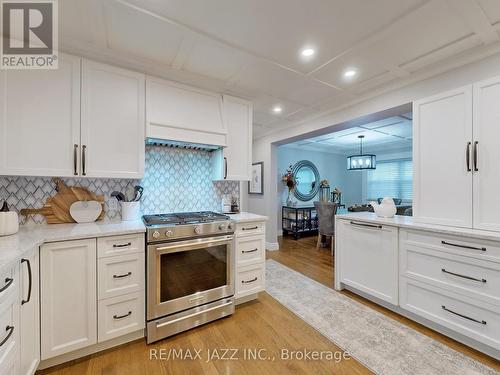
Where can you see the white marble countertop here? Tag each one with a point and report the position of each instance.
(244, 217)
(13, 248)
(410, 223)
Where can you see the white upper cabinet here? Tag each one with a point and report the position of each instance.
(113, 120)
(487, 149)
(40, 120)
(182, 113)
(442, 145)
(234, 162)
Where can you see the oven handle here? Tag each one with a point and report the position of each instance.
(175, 246)
(159, 325)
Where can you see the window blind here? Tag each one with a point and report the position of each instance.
(391, 179)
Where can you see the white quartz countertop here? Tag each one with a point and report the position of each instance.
(13, 248)
(244, 217)
(409, 222)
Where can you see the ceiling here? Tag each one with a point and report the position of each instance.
(389, 134)
(252, 48)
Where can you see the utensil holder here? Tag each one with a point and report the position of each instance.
(9, 223)
(131, 211)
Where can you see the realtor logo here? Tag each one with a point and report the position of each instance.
(29, 34)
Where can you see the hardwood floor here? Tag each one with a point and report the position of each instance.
(261, 324)
(317, 264)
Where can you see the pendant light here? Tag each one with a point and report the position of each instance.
(360, 162)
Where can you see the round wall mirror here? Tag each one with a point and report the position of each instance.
(307, 180)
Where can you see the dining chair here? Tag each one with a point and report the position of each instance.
(326, 221)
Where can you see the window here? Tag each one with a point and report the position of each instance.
(391, 179)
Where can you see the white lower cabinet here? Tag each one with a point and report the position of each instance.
(120, 315)
(68, 296)
(30, 313)
(9, 322)
(367, 256)
(250, 259)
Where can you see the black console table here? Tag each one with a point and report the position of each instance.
(299, 220)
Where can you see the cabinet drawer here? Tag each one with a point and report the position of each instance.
(250, 280)
(247, 229)
(120, 245)
(467, 316)
(9, 327)
(470, 247)
(120, 275)
(10, 284)
(250, 250)
(120, 315)
(473, 277)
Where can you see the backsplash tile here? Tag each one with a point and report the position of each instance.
(175, 180)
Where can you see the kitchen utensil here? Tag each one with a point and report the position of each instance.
(85, 211)
(131, 210)
(138, 190)
(119, 196)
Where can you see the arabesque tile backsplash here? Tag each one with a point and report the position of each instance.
(175, 180)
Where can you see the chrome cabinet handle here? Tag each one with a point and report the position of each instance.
(476, 169)
(249, 281)
(463, 276)
(249, 251)
(122, 276)
(225, 167)
(464, 246)
(463, 316)
(251, 228)
(8, 282)
(10, 330)
(30, 279)
(366, 225)
(122, 245)
(84, 157)
(75, 159)
(467, 156)
(116, 317)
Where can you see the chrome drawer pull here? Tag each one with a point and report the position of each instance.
(249, 251)
(122, 276)
(463, 276)
(463, 316)
(463, 246)
(366, 225)
(8, 282)
(251, 228)
(249, 281)
(116, 317)
(122, 245)
(9, 329)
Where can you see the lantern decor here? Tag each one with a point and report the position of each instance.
(289, 181)
(324, 191)
(360, 162)
(337, 196)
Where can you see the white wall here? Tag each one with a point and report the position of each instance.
(264, 148)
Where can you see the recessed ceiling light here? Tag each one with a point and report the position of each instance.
(277, 109)
(308, 52)
(350, 73)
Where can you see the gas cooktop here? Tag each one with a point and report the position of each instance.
(184, 218)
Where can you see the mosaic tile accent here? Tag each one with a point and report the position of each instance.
(175, 180)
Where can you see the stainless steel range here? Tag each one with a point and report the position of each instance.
(190, 271)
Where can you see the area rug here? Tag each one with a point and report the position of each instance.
(380, 343)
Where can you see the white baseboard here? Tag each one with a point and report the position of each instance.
(272, 246)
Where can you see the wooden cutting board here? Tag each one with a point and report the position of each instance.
(56, 209)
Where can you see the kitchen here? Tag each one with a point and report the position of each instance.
(139, 180)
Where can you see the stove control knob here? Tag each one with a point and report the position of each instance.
(169, 233)
(230, 226)
(156, 234)
(197, 230)
(222, 227)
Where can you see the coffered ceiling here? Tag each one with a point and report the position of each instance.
(252, 48)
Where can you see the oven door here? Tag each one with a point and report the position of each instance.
(185, 274)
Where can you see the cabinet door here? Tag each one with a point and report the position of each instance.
(486, 135)
(368, 258)
(40, 120)
(442, 139)
(30, 314)
(113, 122)
(238, 153)
(68, 296)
